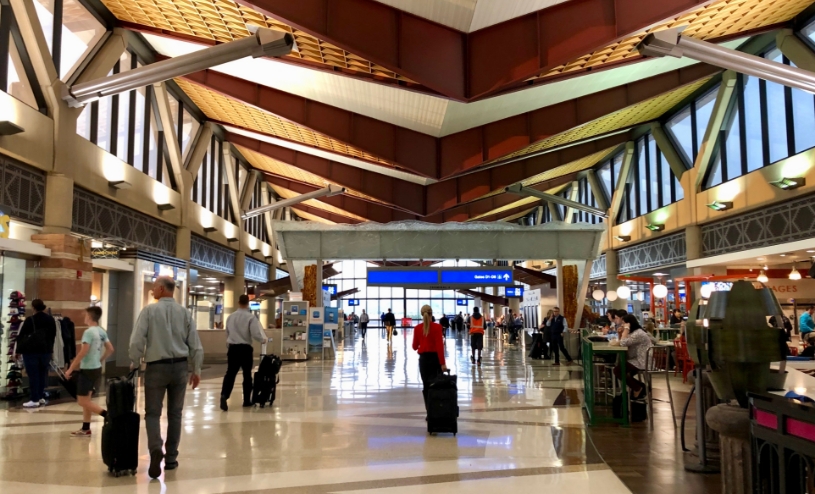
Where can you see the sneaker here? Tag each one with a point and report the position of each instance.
(81, 433)
(31, 404)
(43, 402)
(155, 465)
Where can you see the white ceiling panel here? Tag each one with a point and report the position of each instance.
(457, 14)
(340, 158)
(491, 12)
(409, 109)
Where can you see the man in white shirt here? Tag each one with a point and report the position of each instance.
(166, 339)
(241, 328)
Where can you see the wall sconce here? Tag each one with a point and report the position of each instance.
(210, 229)
(789, 183)
(720, 205)
(9, 128)
(655, 227)
(255, 251)
(622, 238)
(120, 184)
(232, 239)
(165, 207)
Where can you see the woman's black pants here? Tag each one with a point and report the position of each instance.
(429, 369)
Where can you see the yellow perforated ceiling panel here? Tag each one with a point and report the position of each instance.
(573, 167)
(220, 108)
(281, 169)
(714, 20)
(642, 112)
(288, 194)
(311, 217)
(225, 20)
(526, 201)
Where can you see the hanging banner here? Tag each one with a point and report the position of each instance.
(316, 323)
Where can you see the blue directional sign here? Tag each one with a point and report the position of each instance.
(353, 302)
(402, 277)
(514, 292)
(332, 289)
(476, 277)
(462, 301)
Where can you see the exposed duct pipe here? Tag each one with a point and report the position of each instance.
(671, 42)
(331, 190)
(264, 43)
(521, 190)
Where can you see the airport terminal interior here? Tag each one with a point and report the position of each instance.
(437, 245)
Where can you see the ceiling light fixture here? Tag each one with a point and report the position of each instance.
(622, 238)
(611, 295)
(794, 274)
(210, 229)
(720, 205)
(789, 183)
(120, 184)
(655, 227)
(762, 277)
(660, 291)
(624, 292)
(598, 295)
(165, 207)
(706, 290)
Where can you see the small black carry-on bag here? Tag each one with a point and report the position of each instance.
(537, 346)
(264, 385)
(120, 434)
(442, 405)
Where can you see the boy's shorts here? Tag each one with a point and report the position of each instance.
(87, 381)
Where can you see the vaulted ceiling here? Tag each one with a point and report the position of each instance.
(426, 109)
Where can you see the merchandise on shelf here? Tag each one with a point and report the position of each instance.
(10, 369)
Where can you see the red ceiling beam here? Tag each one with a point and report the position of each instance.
(457, 153)
(353, 205)
(402, 194)
(409, 150)
(469, 149)
(331, 69)
(336, 218)
(470, 187)
(468, 66)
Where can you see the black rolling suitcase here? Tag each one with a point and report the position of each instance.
(537, 346)
(264, 385)
(120, 434)
(442, 405)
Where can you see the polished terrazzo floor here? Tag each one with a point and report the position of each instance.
(355, 424)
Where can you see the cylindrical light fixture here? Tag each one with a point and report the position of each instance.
(624, 292)
(611, 296)
(660, 291)
(598, 295)
(706, 290)
(762, 277)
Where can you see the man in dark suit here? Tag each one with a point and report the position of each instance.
(558, 326)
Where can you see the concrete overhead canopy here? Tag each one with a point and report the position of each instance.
(413, 240)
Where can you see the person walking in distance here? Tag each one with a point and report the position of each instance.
(241, 328)
(89, 362)
(363, 324)
(558, 326)
(428, 341)
(476, 335)
(390, 323)
(36, 344)
(445, 324)
(166, 339)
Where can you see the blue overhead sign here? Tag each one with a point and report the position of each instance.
(514, 292)
(353, 302)
(332, 289)
(476, 277)
(462, 301)
(439, 278)
(400, 277)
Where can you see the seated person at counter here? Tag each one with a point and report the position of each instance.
(638, 342)
(676, 317)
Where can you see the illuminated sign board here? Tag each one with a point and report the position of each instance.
(462, 301)
(440, 278)
(514, 292)
(332, 289)
(353, 302)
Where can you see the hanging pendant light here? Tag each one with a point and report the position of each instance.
(623, 292)
(762, 277)
(598, 295)
(706, 290)
(611, 295)
(794, 274)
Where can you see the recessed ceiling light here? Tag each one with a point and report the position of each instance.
(783, 255)
(660, 274)
(761, 259)
(811, 251)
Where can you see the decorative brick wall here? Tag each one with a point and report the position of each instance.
(65, 278)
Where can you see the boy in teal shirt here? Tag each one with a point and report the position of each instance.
(89, 361)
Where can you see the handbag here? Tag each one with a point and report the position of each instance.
(26, 340)
(395, 333)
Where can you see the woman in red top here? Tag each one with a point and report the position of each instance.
(428, 341)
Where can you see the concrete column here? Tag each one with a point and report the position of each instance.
(59, 194)
(612, 283)
(183, 243)
(693, 242)
(236, 286)
(485, 306)
(496, 308)
(559, 274)
(514, 306)
(65, 279)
